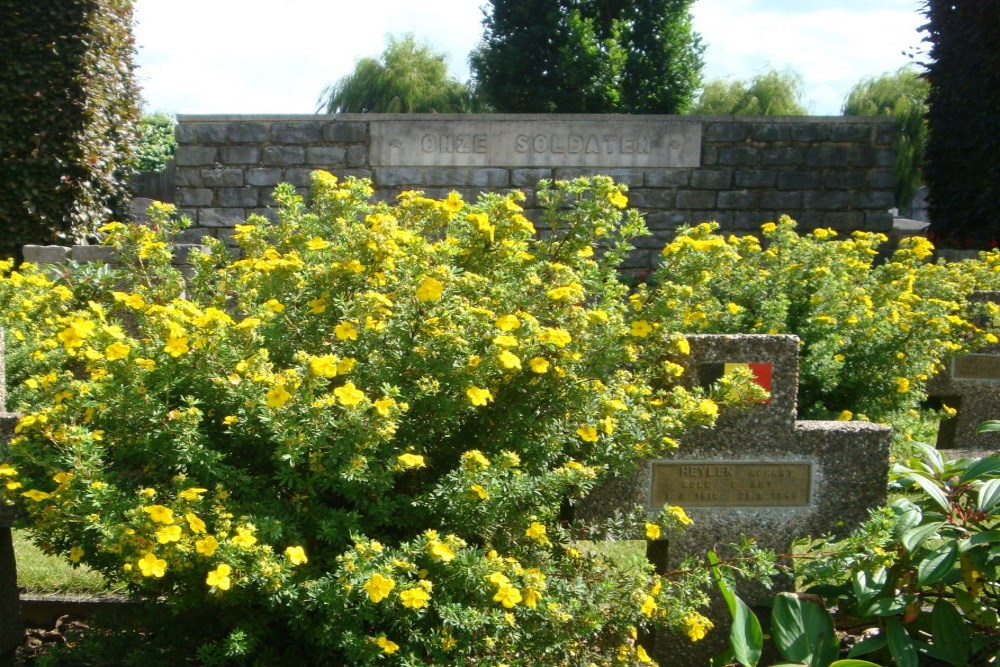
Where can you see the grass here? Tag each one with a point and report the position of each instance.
(38, 572)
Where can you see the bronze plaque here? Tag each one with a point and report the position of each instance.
(976, 367)
(724, 484)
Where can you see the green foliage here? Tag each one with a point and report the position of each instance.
(156, 142)
(407, 78)
(902, 95)
(772, 93)
(67, 118)
(962, 170)
(871, 334)
(354, 442)
(558, 56)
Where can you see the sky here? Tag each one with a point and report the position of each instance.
(267, 57)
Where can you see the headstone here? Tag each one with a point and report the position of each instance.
(11, 630)
(970, 384)
(760, 472)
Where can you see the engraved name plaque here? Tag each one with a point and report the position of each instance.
(976, 367)
(615, 142)
(724, 484)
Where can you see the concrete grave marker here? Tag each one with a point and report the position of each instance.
(760, 472)
(11, 629)
(969, 384)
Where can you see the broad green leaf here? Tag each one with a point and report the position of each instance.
(988, 466)
(913, 538)
(932, 490)
(988, 426)
(937, 563)
(950, 634)
(745, 637)
(989, 495)
(886, 607)
(868, 645)
(853, 663)
(900, 645)
(788, 629)
(931, 458)
(907, 515)
(983, 538)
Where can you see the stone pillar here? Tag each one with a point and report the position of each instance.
(11, 629)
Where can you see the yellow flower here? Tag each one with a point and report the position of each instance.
(697, 626)
(557, 337)
(244, 538)
(587, 433)
(277, 397)
(902, 385)
(219, 577)
(537, 532)
(318, 305)
(430, 289)
(6, 470)
(652, 531)
(504, 340)
(453, 203)
(414, 598)
(296, 555)
(679, 514)
(349, 395)
(317, 244)
(159, 513)
(507, 322)
(379, 587)
(479, 491)
(168, 534)
(539, 365)
(383, 405)
(440, 551)
(411, 461)
(509, 360)
(346, 331)
(478, 396)
(508, 596)
(642, 656)
(708, 407)
(641, 328)
(617, 199)
(192, 494)
(151, 566)
(145, 364)
(274, 305)
(683, 346)
(195, 522)
(206, 547)
(176, 347)
(75, 554)
(648, 606)
(388, 647)
(116, 351)
(324, 366)
(62, 477)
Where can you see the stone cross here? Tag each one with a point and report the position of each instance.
(11, 629)
(760, 472)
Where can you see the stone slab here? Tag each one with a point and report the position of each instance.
(536, 143)
(769, 483)
(976, 367)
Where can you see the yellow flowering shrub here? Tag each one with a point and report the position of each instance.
(354, 439)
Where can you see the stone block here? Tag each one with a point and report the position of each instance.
(877, 199)
(755, 178)
(799, 180)
(489, 178)
(712, 179)
(696, 199)
(878, 221)
(844, 220)
(93, 253)
(824, 157)
(262, 176)
(194, 197)
(195, 156)
(740, 156)
(220, 217)
(852, 132)
(298, 176)
(520, 178)
(236, 197)
(768, 132)
(780, 156)
(726, 132)
(779, 201)
(885, 134)
(188, 178)
(200, 133)
(357, 156)
(630, 177)
(192, 236)
(844, 180)
(828, 199)
(666, 221)
(283, 156)
(326, 156)
(737, 199)
(667, 178)
(651, 198)
(356, 173)
(809, 133)
(881, 178)
(309, 132)
(387, 176)
(183, 251)
(44, 254)
(709, 156)
(222, 177)
(239, 154)
(346, 132)
(243, 132)
(445, 176)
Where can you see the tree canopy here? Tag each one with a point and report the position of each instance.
(407, 78)
(585, 56)
(903, 95)
(771, 93)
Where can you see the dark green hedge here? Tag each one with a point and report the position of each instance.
(67, 121)
(963, 152)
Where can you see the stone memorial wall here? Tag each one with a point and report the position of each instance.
(740, 171)
(11, 631)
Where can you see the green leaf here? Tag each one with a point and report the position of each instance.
(951, 635)
(915, 537)
(932, 490)
(907, 516)
(989, 495)
(988, 426)
(788, 630)
(988, 466)
(745, 637)
(853, 663)
(937, 563)
(931, 457)
(982, 538)
(868, 645)
(886, 607)
(900, 645)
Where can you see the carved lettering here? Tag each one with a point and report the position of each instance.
(710, 484)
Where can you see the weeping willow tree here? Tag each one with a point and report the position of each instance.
(407, 78)
(771, 93)
(903, 95)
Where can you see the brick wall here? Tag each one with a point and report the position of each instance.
(823, 171)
